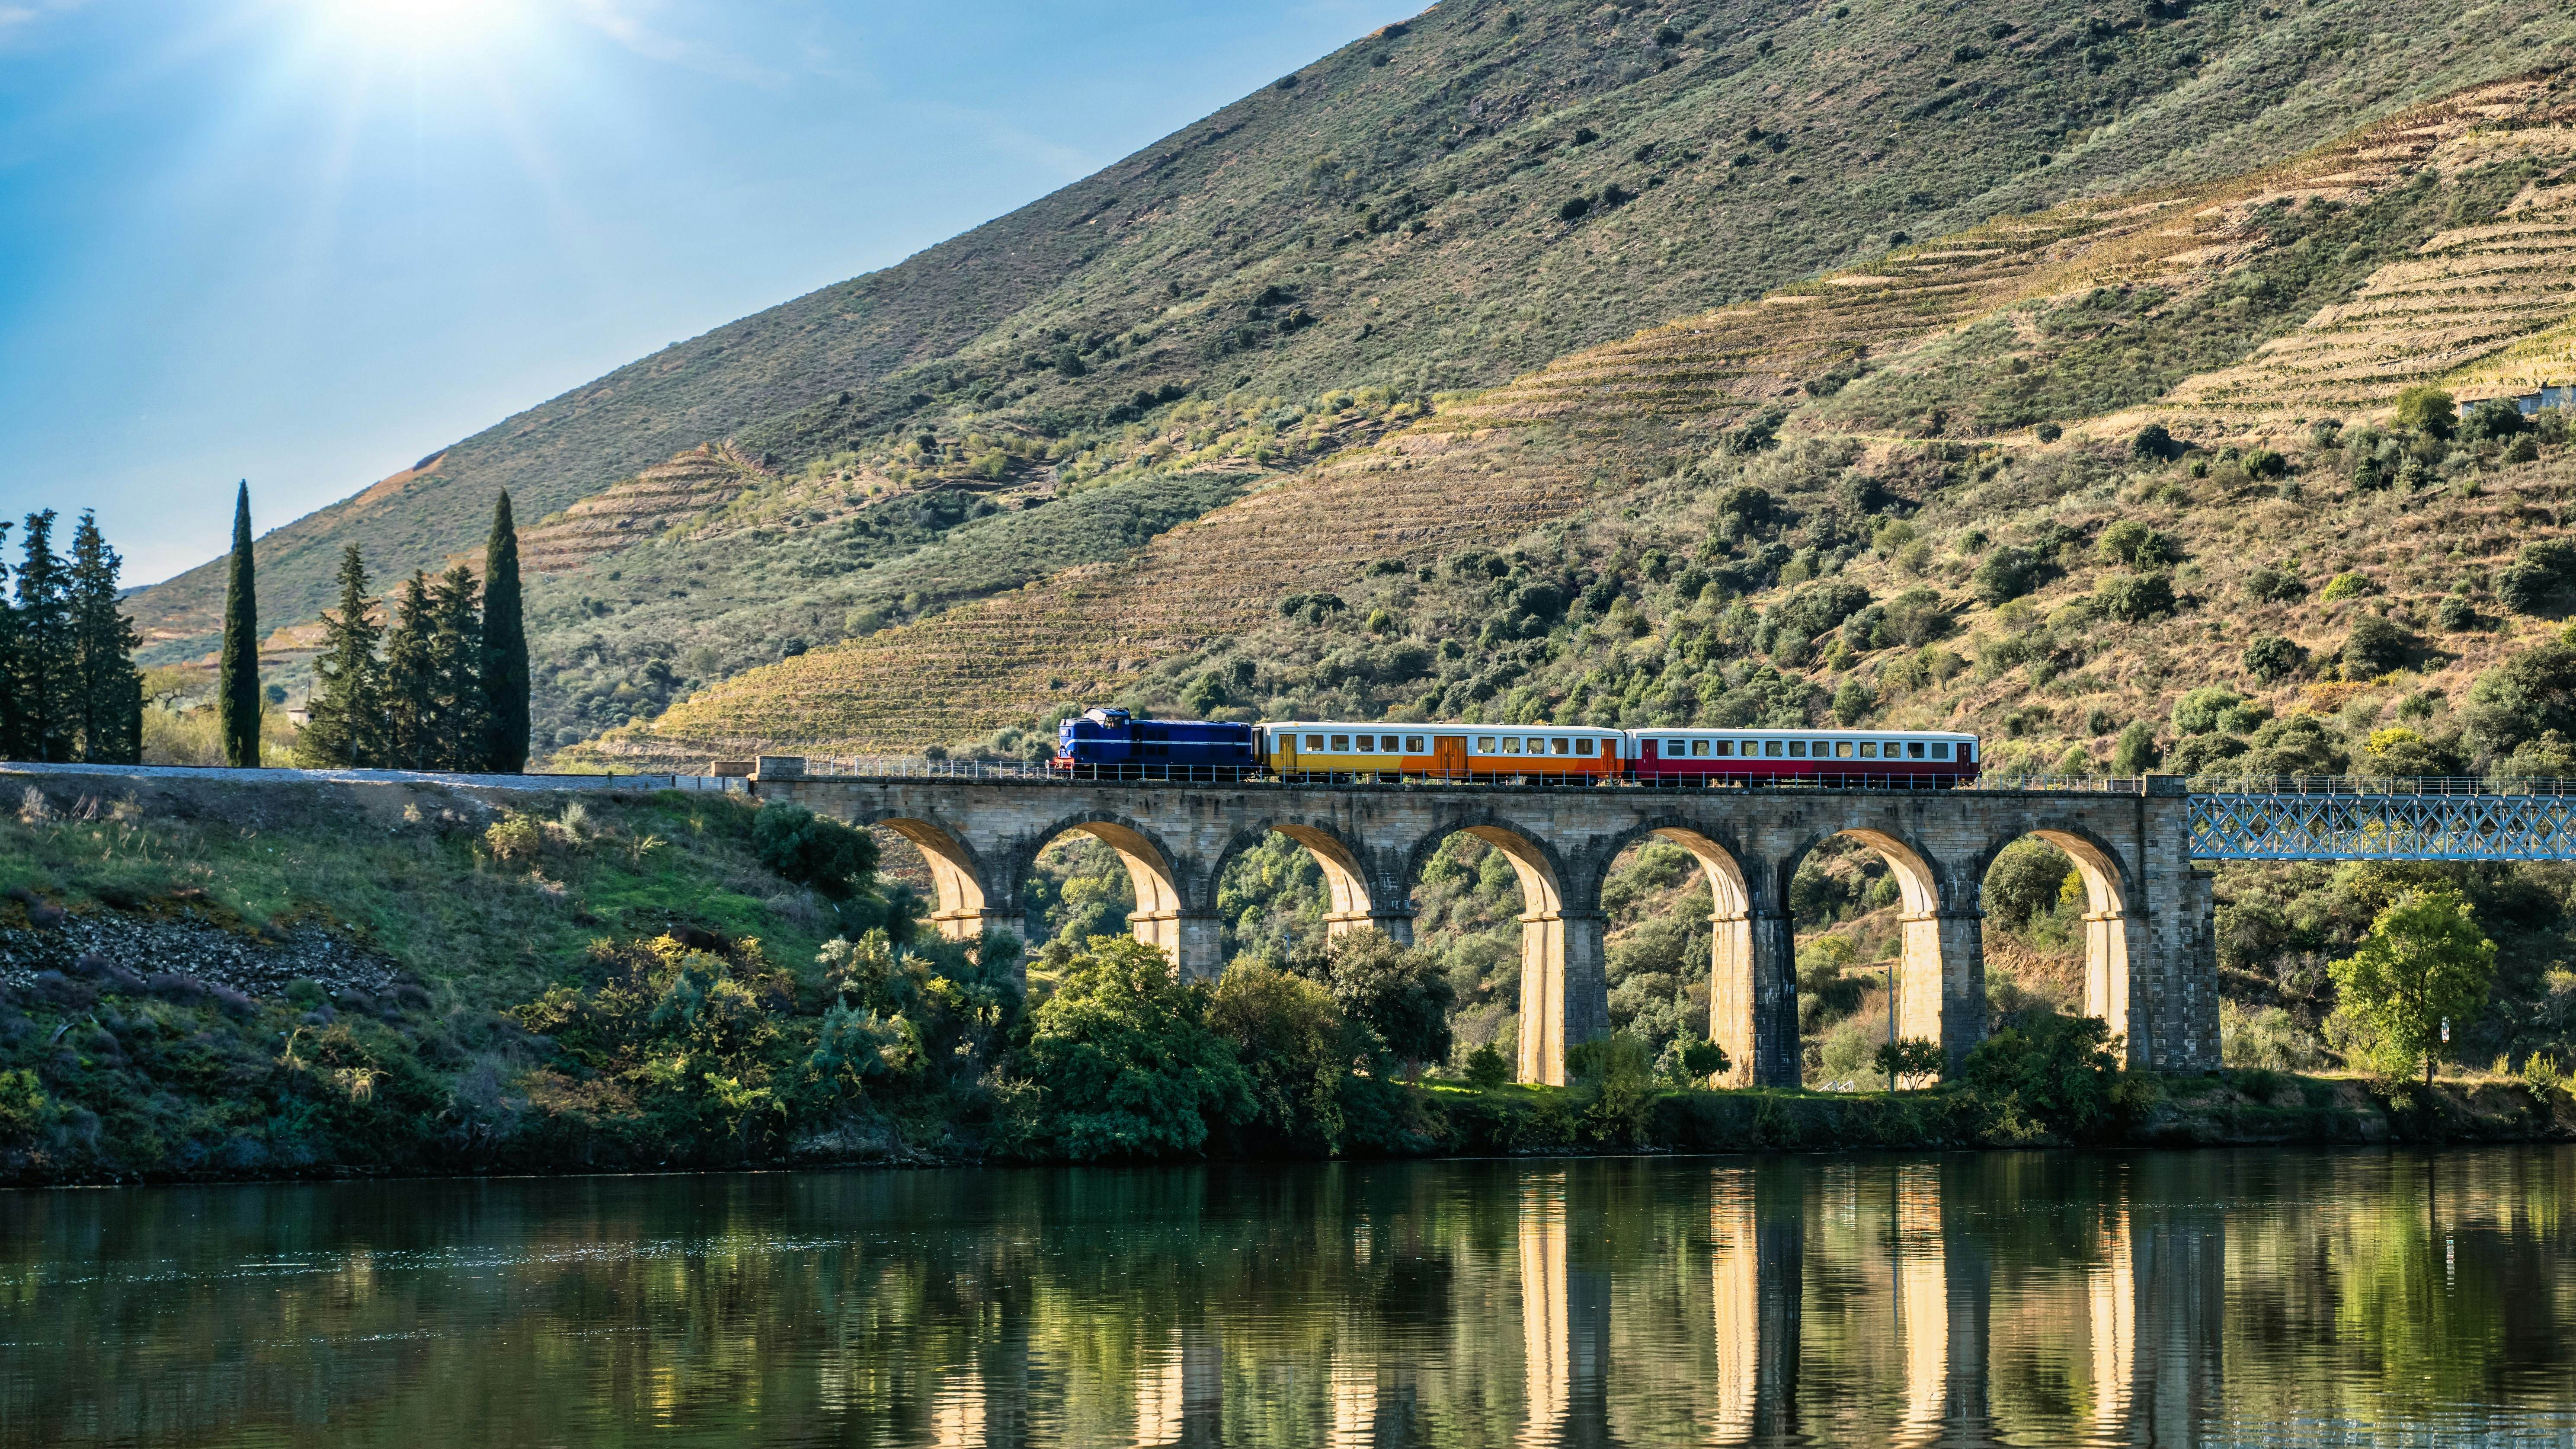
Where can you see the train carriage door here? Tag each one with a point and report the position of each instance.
(1449, 754)
(1283, 750)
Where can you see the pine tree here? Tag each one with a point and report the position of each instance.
(48, 681)
(463, 730)
(505, 647)
(410, 699)
(347, 728)
(237, 684)
(13, 743)
(108, 689)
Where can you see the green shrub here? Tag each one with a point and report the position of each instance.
(813, 850)
(2455, 614)
(1912, 1059)
(2059, 1073)
(2264, 463)
(2427, 410)
(2375, 647)
(2197, 712)
(2492, 421)
(2272, 658)
(1487, 1068)
(1124, 1057)
(2541, 579)
(2005, 575)
(2153, 441)
(1853, 702)
(2347, 585)
(2135, 598)
(2136, 752)
(2134, 544)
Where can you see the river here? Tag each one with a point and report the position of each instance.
(2209, 1298)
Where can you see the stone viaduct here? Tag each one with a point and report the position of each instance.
(2151, 954)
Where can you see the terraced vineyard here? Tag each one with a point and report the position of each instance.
(1083, 635)
(665, 494)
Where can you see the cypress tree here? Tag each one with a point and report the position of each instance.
(463, 729)
(109, 689)
(347, 728)
(505, 647)
(48, 681)
(237, 685)
(410, 699)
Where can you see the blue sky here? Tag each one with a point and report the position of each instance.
(307, 241)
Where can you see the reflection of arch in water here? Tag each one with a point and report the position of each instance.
(1565, 1326)
(1941, 966)
(1565, 997)
(1757, 1238)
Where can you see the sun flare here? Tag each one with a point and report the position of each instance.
(419, 27)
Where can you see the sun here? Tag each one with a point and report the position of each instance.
(419, 28)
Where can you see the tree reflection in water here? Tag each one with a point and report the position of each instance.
(2210, 1298)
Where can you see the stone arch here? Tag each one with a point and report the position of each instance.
(2115, 929)
(1350, 904)
(1165, 917)
(1565, 994)
(966, 901)
(1744, 1001)
(1941, 962)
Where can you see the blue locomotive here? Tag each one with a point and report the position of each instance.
(1111, 744)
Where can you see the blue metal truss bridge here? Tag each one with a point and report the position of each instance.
(2344, 819)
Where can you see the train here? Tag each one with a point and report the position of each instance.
(1110, 743)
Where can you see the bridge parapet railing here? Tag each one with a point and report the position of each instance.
(2382, 786)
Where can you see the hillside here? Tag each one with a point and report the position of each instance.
(1664, 499)
(1442, 206)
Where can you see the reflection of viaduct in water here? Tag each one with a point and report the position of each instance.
(2152, 1314)
(2152, 966)
(1565, 1327)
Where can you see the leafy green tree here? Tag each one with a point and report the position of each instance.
(2054, 1072)
(237, 699)
(48, 682)
(1617, 1075)
(2135, 598)
(2135, 753)
(813, 850)
(1123, 1055)
(2376, 646)
(1296, 1048)
(1488, 1068)
(2424, 967)
(1912, 1059)
(2025, 882)
(345, 730)
(108, 688)
(1853, 702)
(1398, 994)
(2427, 410)
(2493, 421)
(505, 648)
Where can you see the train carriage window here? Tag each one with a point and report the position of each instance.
(1341, 744)
(1511, 744)
(1914, 749)
(1797, 749)
(1940, 749)
(1564, 746)
(1386, 745)
(1485, 744)
(1315, 742)
(1699, 749)
(1825, 749)
(1726, 749)
(1368, 744)
(1771, 749)
(1413, 744)
(1583, 746)
(1869, 749)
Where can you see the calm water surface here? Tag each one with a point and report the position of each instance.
(2271, 1298)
